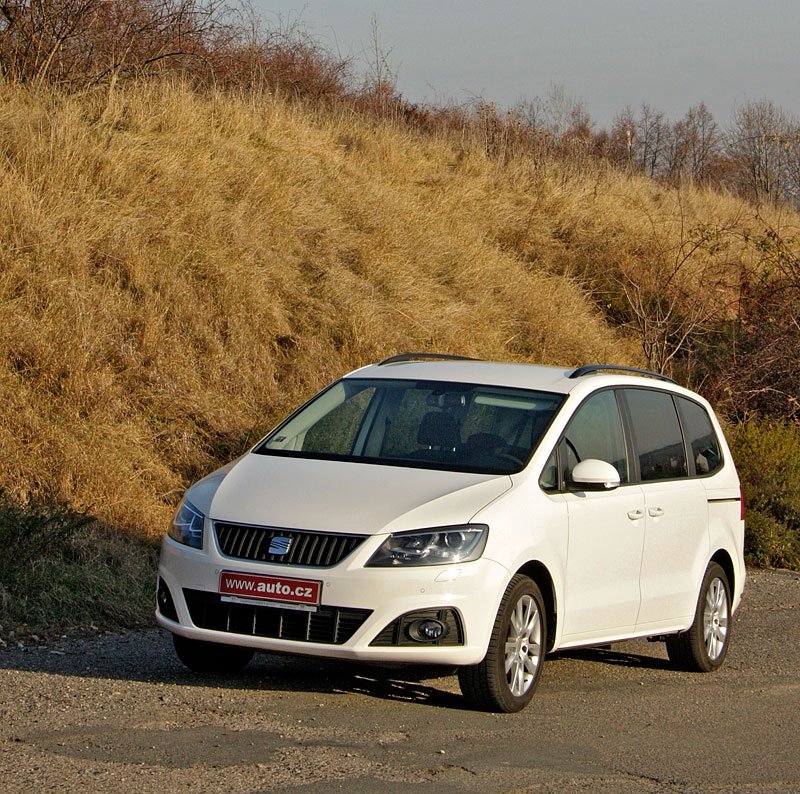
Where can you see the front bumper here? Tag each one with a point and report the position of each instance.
(473, 590)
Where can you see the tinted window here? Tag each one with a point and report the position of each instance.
(596, 432)
(701, 437)
(656, 434)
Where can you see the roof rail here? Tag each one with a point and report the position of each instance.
(422, 356)
(590, 368)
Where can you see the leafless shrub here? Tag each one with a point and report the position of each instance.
(752, 367)
(80, 43)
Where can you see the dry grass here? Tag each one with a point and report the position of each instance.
(177, 271)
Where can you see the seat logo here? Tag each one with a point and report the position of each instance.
(280, 545)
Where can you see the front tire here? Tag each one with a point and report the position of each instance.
(211, 657)
(508, 675)
(702, 649)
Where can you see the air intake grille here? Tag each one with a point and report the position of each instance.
(313, 549)
(331, 625)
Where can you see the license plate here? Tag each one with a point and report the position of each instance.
(260, 587)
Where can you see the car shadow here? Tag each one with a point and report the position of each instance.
(148, 657)
(615, 657)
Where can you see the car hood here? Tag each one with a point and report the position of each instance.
(342, 497)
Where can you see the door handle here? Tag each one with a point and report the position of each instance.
(655, 512)
(635, 515)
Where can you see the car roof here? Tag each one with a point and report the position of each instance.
(561, 380)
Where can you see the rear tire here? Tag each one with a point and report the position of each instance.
(508, 675)
(702, 649)
(211, 657)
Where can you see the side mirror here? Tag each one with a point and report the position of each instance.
(594, 475)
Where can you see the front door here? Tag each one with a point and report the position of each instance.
(606, 537)
(606, 528)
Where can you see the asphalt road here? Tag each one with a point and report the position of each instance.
(118, 713)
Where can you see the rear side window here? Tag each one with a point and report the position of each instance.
(700, 436)
(657, 435)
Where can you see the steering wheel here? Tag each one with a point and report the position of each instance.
(509, 456)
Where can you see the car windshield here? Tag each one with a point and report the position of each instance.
(424, 424)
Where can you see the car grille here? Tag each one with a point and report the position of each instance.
(313, 549)
(331, 625)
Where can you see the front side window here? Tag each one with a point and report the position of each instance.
(596, 432)
(450, 426)
(656, 434)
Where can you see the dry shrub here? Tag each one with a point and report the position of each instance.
(80, 44)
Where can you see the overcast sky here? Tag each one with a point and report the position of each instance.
(609, 53)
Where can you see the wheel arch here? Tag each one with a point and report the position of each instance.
(538, 572)
(724, 560)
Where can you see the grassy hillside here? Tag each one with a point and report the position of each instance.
(177, 271)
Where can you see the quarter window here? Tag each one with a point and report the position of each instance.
(549, 478)
(656, 434)
(701, 437)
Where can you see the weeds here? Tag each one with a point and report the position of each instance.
(60, 569)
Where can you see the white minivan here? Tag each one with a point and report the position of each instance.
(436, 509)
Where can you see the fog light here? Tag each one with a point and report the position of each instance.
(166, 606)
(427, 630)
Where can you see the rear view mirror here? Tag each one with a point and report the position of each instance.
(595, 475)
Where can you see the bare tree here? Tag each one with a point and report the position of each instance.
(792, 172)
(651, 141)
(621, 138)
(762, 143)
(380, 80)
(695, 145)
(641, 142)
(563, 113)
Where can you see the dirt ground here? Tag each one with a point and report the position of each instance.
(117, 712)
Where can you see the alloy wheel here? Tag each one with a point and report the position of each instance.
(715, 619)
(523, 651)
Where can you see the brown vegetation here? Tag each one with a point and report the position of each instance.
(182, 259)
(177, 271)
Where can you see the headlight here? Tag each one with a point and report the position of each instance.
(187, 526)
(439, 546)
